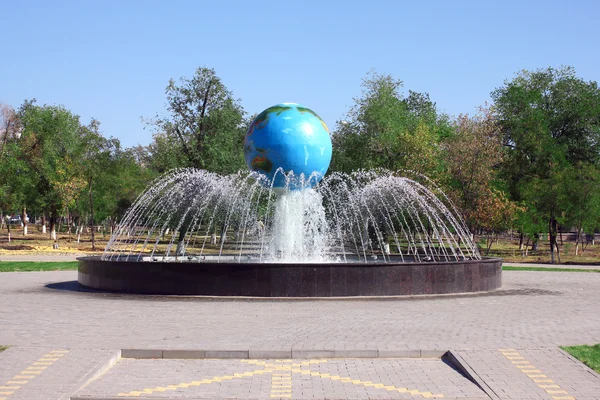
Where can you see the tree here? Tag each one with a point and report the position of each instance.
(95, 164)
(10, 125)
(472, 154)
(383, 129)
(12, 180)
(205, 128)
(580, 192)
(12, 184)
(550, 121)
(50, 149)
(114, 178)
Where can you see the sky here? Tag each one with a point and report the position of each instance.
(111, 60)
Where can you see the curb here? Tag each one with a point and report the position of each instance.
(277, 354)
(96, 373)
(455, 359)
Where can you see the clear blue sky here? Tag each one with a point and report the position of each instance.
(112, 59)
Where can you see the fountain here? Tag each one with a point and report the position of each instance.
(285, 230)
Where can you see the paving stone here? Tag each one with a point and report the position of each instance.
(533, 313)
(64, 370)
(307, 379)
(532, 373)
(517, 315)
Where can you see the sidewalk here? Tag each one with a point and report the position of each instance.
(504, 343)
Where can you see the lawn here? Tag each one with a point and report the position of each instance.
(589, 355)
(27, 266)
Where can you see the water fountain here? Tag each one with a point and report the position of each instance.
(283, 230)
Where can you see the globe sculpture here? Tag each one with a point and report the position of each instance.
(290, 145)
(283, 229)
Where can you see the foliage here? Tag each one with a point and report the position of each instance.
(550, 120)
(580, 194)
(10, 125)
(205, 128)
(384, 129)
(12, 180)
(472, 153)
(50, 149)
(530, 161)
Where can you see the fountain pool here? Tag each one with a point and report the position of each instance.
(285, 230)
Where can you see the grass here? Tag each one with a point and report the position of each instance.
(589, 355)
(507, 268)
(2, 348)
(26, 266)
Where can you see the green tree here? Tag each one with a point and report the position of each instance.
(114, 178)
(580, 192)
(204, 129)
(50, 150)
(13, 184)
(550, 121)
(384, 129)
(12, 181)
(96, 167)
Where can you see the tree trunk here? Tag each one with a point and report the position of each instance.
(8, 226)
(44, 224)
(535, 243)
(552, 230)
(53, 218)
(70, 224)
(521, 241)
(24, 220)
(92, 215)
(560, 235)
(490, 241)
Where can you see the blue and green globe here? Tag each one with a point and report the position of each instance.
(288, 140)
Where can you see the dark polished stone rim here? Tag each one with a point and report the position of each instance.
(291, 280)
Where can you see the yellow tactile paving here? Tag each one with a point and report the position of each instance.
(281, 379)
(536, 375)
(281, 385)
(15, 383)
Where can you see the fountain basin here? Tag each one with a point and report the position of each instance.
(290, 279)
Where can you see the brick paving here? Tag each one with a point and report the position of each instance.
(532, 314)
(264, 379)
(532, 374)
(48, 373)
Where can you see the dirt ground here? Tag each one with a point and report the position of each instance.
(506, 247)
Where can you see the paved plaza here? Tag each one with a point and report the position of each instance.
(67, 342)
